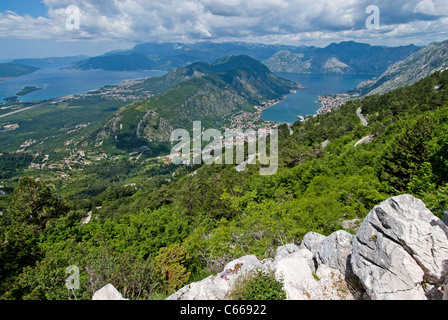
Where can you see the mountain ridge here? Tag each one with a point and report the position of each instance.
(50, 62)
(12, 70)
(417, 66)
(359, 57)
(166, 56)
(211, 93)
(347, 57)
(141, 215)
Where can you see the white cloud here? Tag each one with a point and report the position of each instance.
(432, 7)
(425, 7)
(257, 20)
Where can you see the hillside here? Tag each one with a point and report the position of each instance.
(340, 58)
(119, 62)
(211, 93)
(51, 62)
(132, 223)
(15, 70)
(422, 63)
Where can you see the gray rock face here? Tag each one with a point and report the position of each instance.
(445, 217)
(333, 284)
(335, 249)
(285, 250)
(401, 251)
(297, 276)
(108, 292)
(301, 282)
(217, 287)
(311, 241)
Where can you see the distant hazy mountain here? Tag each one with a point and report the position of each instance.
(117, 62)
(15, 70)
(342, 58)
(54, 62)
(211, 93)
(166, 56)
(419, 65)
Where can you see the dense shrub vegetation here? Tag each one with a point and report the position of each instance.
(154, 239)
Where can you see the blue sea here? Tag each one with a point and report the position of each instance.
(303, 102)
(58, 82)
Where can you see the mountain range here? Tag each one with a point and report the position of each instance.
(149, 227)
(337, 58)
(122, 218)
(344, 57)
(417, 66)
(166, 56)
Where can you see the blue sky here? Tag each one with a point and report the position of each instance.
(34, 8)
(38, 28)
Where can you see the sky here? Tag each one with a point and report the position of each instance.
(48, 28)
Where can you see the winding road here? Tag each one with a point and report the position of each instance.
(363, 120)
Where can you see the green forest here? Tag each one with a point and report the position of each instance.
(181, 224)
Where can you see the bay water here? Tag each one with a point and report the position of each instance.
(303, 102)
(63, 82)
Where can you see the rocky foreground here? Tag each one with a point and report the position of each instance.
(400, 252)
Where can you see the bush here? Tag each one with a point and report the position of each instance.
(169, 268)
(258, 284)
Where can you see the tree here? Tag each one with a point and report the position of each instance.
(32, 207)
(405, 154)
(33, 203)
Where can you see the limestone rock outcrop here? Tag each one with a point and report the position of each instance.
(108, 292)
(216, 287)
(303, 281)
(400, 251)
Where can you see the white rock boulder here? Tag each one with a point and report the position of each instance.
(301, 282)
(335, 249)
(401, 251)
(311, 241)
(217, 287)
(108, 292)
(297, 276)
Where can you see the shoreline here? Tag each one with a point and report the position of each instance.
(121, 82)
